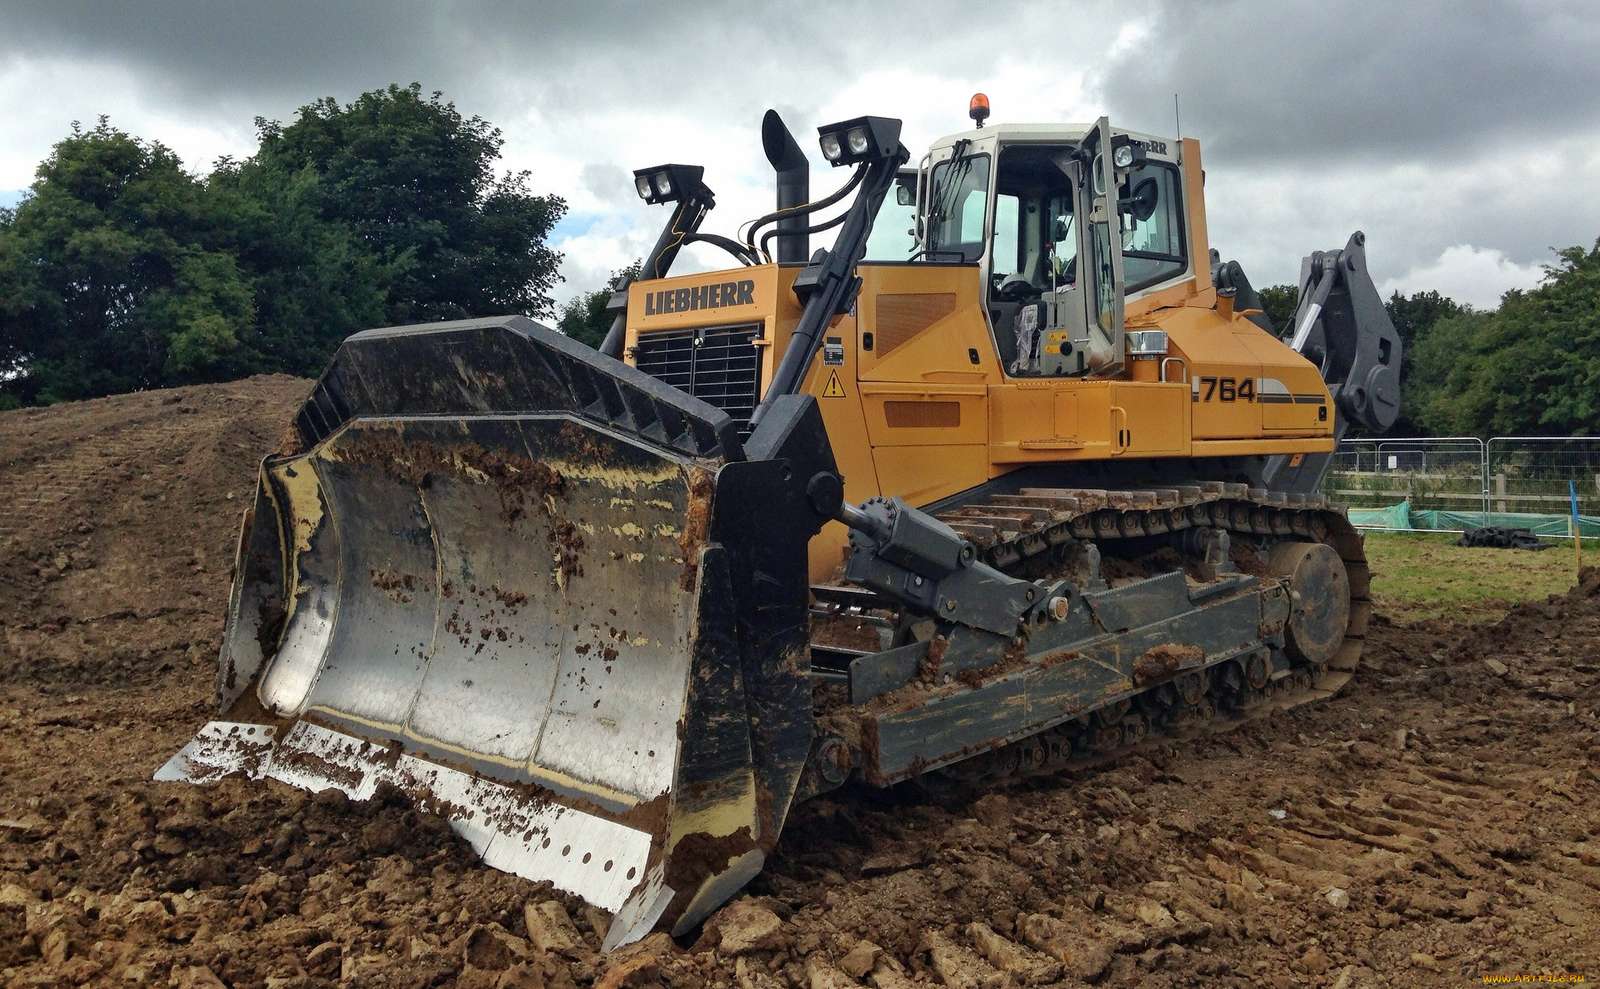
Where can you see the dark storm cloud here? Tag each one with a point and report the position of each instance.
(1294, 79)
(1319, 81)
(223, 53)
(220, 57)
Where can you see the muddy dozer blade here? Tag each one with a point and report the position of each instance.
(543, 594)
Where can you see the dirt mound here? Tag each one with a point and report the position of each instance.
(120, 520)
(1530, 621)
(1431, 825)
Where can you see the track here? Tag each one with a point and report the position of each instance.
(1041, 533)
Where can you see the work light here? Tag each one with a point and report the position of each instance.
(1126, 152)
(667, 183)
(859, 139)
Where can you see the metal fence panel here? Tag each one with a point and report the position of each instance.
(1432, 472)
(1531, 473)
(1497, 480)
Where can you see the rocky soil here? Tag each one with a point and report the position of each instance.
(1437, 823)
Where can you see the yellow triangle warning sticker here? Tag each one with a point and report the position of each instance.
(833, 388)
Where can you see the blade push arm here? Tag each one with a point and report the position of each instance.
(914, 558)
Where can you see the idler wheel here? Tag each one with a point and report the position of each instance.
(1319, 599)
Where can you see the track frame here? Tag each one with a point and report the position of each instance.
(1122, 666)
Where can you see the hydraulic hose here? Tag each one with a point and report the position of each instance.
(804, 209)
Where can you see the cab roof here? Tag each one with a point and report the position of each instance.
(1067, 132)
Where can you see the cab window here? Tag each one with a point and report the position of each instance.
(1006, 254)
(1152, 226)
(1033, 258)
(894, 229)
(956, 206)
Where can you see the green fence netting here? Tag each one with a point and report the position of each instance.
(1403, 516)
(1543, 525)
(1393, 517)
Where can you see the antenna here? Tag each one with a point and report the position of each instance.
(1177, 123)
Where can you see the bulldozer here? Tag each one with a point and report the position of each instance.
(1013, 476)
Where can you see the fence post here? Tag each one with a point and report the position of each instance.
(1572, 523)
(1500, 493)
(1485, 457)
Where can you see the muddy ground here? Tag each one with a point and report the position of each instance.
(1437, 823)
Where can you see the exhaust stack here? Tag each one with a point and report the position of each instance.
(794, 186)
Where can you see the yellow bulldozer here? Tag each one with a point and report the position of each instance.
(1014, 476)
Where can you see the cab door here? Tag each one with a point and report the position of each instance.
(1103, 247)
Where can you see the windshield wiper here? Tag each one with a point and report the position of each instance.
(956, 168)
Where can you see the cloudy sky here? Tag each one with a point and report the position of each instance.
(1462, 136)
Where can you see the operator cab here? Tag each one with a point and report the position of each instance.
(1029, 204)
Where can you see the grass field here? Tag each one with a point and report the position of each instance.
(1426, 575)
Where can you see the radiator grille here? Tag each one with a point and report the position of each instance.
(720, 365)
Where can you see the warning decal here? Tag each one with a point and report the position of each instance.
(833, 388)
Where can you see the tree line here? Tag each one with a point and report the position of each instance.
(1529, 367)
(119, 270)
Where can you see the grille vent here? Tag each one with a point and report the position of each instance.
(902, 316)
(922, 415)
(720, 365)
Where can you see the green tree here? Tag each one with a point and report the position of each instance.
(315, 282)
(1278, 302)
(121, 271)
(1414, 318)
(1531, 366)
(415, 183)
(110, 276)
(584, 316)
(12, 354)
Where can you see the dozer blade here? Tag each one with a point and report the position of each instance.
(540, 592)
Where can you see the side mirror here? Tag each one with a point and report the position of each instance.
(904, 195)
(1060, 229)
(1141, 203)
